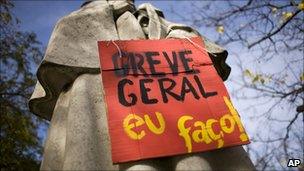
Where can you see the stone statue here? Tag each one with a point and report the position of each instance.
(70, 95)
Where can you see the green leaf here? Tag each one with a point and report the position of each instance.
(302, 76)
(248, 73)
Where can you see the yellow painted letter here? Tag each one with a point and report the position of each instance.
(152, 127)
(237, 119)
(201, 132)
(214, 136)
(184, 132)
(129, 126)
(224, 127)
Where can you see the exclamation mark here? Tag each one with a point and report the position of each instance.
(237, 119)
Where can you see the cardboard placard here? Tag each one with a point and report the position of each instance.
(164, 97)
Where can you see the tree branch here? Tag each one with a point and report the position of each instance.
(275, 32)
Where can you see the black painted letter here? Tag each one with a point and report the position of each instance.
(182, 55)
(201, 88)
(186, 83)
(144, 92)
(165, 91)
(121, 64)
(153, 62)
(121, 95)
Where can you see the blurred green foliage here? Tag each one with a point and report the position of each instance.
(20, 52)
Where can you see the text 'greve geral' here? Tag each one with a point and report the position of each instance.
(124, 63)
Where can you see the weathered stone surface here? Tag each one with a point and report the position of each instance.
(73, 41)
(54, 147)
(87, 140)
(70, 92)
(233, 158)
(154, 28)
(120, 7)
(126, 24)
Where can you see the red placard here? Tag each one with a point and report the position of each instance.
(164, 97)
